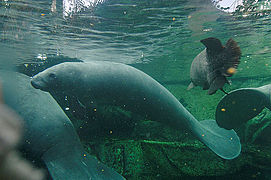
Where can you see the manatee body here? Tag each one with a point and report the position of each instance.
(122, 85)
(49, 135)
(214, 64)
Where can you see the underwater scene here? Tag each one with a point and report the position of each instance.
(135, 89)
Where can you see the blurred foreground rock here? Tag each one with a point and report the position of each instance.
(12, 165)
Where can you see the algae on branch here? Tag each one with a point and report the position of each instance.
(149, 158)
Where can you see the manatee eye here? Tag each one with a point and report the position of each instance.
(52, 75)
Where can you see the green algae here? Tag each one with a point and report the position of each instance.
(136, 159)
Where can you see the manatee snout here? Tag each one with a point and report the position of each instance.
(35, 84)
(38, 83)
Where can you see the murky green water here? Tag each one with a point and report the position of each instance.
(159, 37)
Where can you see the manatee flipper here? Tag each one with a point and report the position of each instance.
(82, 110)
(90, 106)
(228, 82)
(239, 106)
(73, 163)
(190, 86)
(225, 143)
(216, 84)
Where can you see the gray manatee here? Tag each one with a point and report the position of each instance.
(129, 88)
(49, 135)
(214, 64)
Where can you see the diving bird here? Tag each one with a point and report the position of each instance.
(49, 137)
(214, 64)
(110, 83)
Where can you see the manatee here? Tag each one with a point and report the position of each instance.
(121, 85)
(49, 136)
(241, 105)
(214, 64)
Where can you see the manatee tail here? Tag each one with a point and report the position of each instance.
(216, 84)
(241, 105)
(225, 143)
(71, 162)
